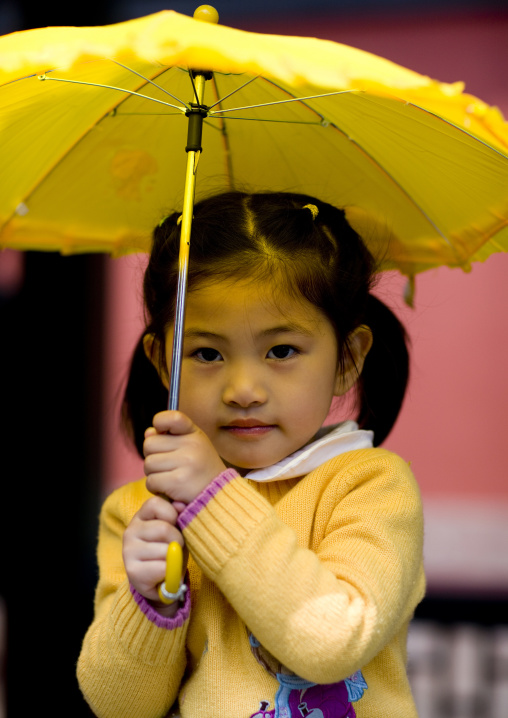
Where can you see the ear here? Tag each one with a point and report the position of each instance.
(151, 345)
(360, 342)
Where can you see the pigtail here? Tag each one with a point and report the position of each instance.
(145, 395)
(382, 384)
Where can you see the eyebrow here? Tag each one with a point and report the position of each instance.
(288, 328)
(201, 334)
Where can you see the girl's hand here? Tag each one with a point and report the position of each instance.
(145, 544)
(180, 460)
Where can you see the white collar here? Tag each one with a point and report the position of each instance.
(329, 442)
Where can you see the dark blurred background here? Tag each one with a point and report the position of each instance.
(51, 314)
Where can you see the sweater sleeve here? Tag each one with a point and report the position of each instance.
(132, 659)
(327, 612)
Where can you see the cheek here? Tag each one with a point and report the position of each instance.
(189, 396)
(308, 408)
(324, 379)
(196, 401)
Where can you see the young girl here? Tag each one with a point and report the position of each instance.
(304, 544)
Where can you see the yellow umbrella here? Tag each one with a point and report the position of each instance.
(92, 169)
(93, 126)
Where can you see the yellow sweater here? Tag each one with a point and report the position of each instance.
(292, 583)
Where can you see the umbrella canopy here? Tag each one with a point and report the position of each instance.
(93, 133)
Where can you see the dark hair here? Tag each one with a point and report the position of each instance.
(278, 236)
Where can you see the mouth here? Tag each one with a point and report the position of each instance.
(248, 427)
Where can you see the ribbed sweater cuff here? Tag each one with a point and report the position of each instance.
(192, 509)
(141, 637)
(225, 520)
(170, 624)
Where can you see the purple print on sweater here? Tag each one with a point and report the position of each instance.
(298, 698)
(329, 701)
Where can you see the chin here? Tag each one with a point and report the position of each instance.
(244, 467)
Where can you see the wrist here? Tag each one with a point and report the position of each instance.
(165, 610)
(159, 614)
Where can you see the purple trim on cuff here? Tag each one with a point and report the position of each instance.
(213, 488)
(170, 624)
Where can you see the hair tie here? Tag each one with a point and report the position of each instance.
(313, 210)
(178, 221)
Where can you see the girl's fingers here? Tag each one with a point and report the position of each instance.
(162, 483)
(149, 540)
(163, 443)
(157, 532)
(160, 444)
(173, 422)
(173, 483)
(157, 463)
(165, 425)
(145, 545)
(146, 576)
(180, 460)
(148, 551)
(159, 509)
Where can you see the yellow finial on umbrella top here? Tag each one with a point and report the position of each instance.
(206, 13)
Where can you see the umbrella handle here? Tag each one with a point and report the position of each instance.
(172, 589)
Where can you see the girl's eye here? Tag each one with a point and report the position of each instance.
(207, 355)
(282, 351)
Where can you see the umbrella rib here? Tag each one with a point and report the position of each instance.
(224, 134)
(458, 127)
(145, 114)
(29, 192)
(147, 79)
(404, 191)
(360, 148)
(112, 87)
(283, 102)
(194, 87)
(219, 113)
(397, 184)
(266, 119)
(232, 93)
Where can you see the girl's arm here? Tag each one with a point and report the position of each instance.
(327, 612)
(132, 659)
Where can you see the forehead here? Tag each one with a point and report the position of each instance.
(256, 304)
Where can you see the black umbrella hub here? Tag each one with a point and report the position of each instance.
(196, 115)
(197, 111)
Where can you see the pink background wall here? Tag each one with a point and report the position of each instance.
(453, 424)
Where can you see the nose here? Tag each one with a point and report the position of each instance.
(244, 387)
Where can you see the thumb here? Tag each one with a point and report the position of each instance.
(173, 422)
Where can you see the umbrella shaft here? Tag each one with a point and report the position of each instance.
(183, 269)
(183, 259)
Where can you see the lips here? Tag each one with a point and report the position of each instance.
(246, 423)
(248, 427)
